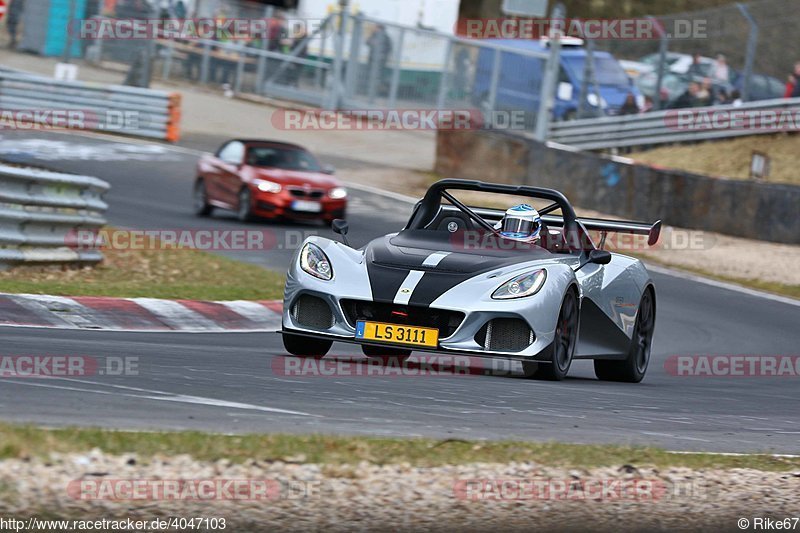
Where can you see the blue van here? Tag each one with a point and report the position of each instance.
(518, 87)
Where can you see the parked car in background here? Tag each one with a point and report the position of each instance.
(520, 81)
(269, 179)
(677, 62)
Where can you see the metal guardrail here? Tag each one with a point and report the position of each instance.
(41, 213)
(662, 127)
(110, 108)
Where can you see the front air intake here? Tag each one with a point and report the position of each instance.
(312, 312)
(505, 335)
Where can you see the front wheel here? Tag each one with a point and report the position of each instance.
(201, 206)
(302, 346)
(245, 210)
(633, 368)
(556, 366)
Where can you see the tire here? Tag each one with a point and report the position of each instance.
(379, 352)
(633, 368)
(562, 350)
(201, 205)
(244, 211)
(302, 346)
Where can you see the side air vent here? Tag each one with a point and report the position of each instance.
(505, 335)
(312, 312)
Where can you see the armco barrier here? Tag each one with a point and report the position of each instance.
(618, 186)
(110, 108)
(678, 125)
(40, 212)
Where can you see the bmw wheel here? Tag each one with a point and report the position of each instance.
(201, 205)
(245, 210)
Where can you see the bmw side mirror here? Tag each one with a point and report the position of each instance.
(340, 226)
(329, 169)
(600, 257)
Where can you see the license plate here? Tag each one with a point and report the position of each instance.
(397, 334)
(306, 206)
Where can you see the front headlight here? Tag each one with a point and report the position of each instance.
(314, 261)
(592, 99)
(521, 286)
(267, 186)
(338, 193)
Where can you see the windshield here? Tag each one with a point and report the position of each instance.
(606, 70)
(284, 158)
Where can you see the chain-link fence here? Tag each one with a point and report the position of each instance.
(740, 50)
(346, 60)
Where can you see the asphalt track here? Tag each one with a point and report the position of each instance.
(235, 383)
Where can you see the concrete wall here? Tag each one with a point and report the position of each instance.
(615, 186)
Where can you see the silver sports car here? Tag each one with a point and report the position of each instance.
(450, 282)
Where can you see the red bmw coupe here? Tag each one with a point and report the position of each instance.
(269, 179)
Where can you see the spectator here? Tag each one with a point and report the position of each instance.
(720, 70)
(796, 89)
(380, 47)
(275, 32)
(14, 14)
(648, 104)
(696, 68)
(180, 10)
(705, 95)
(689, 97)
(299, 44)
(791, 81)
(629, 107)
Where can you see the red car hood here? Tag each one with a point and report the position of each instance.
(296, 177)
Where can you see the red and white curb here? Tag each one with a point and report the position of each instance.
(138, 314)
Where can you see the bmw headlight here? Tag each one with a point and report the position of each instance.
(521, 286)
(267, 186)
(337, 193)
(314, 261)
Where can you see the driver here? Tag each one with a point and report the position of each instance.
(521, 223)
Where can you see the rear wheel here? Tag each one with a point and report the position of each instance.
(379, 352)
(245, 210)
(633, 368)
(201, 205)
(556, 367)
(302, 346)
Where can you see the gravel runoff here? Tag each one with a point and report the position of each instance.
(366, 497)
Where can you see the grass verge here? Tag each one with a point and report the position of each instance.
(730, 157)
(781, 289)
(27, 441)
(179, 273)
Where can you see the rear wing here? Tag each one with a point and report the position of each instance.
(653, 231)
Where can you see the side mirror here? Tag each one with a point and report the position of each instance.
(597, 257)
(600, 257)
(329, 169)
(341, 226)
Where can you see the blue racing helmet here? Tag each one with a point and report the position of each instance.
(522, 223)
